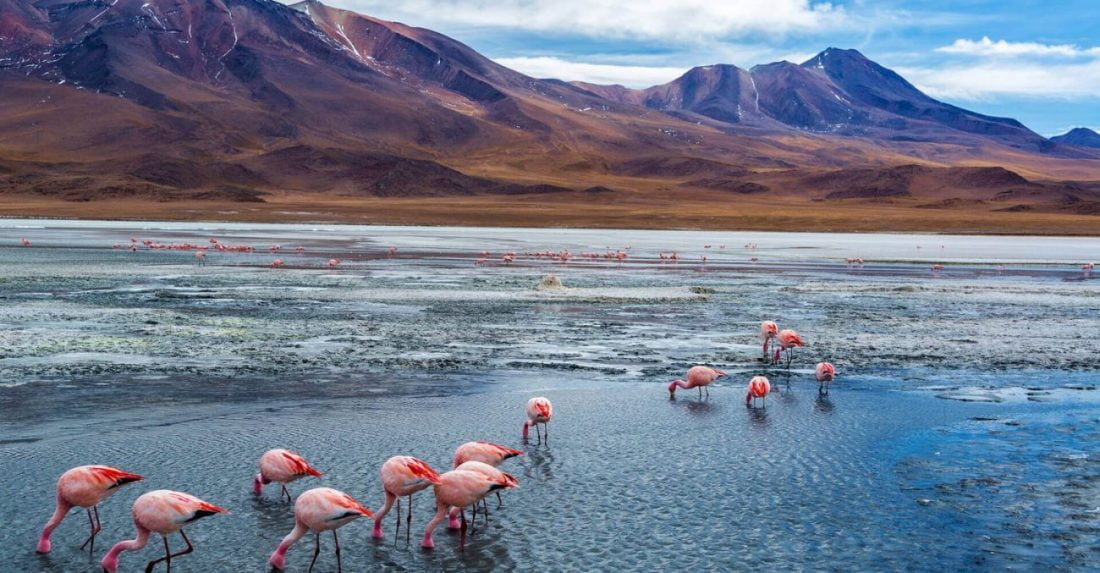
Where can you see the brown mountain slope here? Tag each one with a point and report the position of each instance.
(254, 101)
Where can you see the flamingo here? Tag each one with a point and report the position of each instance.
(277, 263)
(87, 487)
(485, 452)
(768, 330)
(539, 411)
(333, 263)
(759, 387)
(26, 242)
(201, 257)
(825, 373)
(319, 509)
(788, 340)
(281, 466)
(697, 377)
(490, 472)
(459, 488)
(164, 512)
(402, 476)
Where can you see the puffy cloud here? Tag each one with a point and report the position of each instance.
(630, 76)
(990, 48)
(995, 79)
(659, 20)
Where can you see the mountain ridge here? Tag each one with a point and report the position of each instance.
(250, 100)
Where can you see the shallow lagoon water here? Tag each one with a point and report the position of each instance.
(962, 434)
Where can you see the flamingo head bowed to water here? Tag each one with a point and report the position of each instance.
(282, 467)
(402, 476)
(759, 387)
(825, 373)
(697, 377)
(319, 509)
(87, 487)
(539, 411)
(788, 340)
(768, 330)
(164, 512)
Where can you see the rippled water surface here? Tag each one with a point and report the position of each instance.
(961, 435)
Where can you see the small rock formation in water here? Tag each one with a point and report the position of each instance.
(550, 282)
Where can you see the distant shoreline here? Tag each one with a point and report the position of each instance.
(573, 212)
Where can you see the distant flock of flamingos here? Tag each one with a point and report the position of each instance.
(474, 476)
(485, 257)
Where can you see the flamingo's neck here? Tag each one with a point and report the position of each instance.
(278, 558)
(526, 428)
(110, 560)
(258, 484)
(59, 513)
(677, 383)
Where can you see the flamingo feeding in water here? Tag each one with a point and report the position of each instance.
(281, 466)
(26, 242)
(759, 387)
(697, 377)
(164, 512)
(485, 452)
(277, 264)
(402, 476)
(319, 509)
(490, 472)
(768, 330)
(539, 411)
(87, 487)
(825, 373)
(460, 489)
(788, 340)
(333, 263)
(201, 257)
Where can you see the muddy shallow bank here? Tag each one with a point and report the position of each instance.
(961, 435)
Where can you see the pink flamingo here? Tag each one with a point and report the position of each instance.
(281, 466)
(402, 476)
(87, 487)
(333, 263)
(937, 268)
(484, 452)
(697, 377)
(759, 387)
(393, 251)
(459, 488)
(768, 330)
(319, 509)
(539, 411)
(164, 512)
(277, 264)
(825, 373)
(490, 472)
(788, 340)
(201, 257)
(26, 242)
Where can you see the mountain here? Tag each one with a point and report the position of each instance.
(254, 101)
(1081, 136)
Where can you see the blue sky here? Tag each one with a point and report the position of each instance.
(1036, 61)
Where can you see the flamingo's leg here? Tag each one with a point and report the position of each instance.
(462, 530)
(500, 502)
(95, 525)
(409, 522)
(286, 493)
(168, 555)
(397, 532)
(339, 565)
(316, 549)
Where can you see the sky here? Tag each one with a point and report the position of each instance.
(1037, 61)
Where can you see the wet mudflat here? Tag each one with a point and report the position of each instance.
(962, 433)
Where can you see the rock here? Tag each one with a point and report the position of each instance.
(550, 282)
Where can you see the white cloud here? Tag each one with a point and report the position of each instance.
(630, 76)
(660, 20)
(989, 48)
(994, 79)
